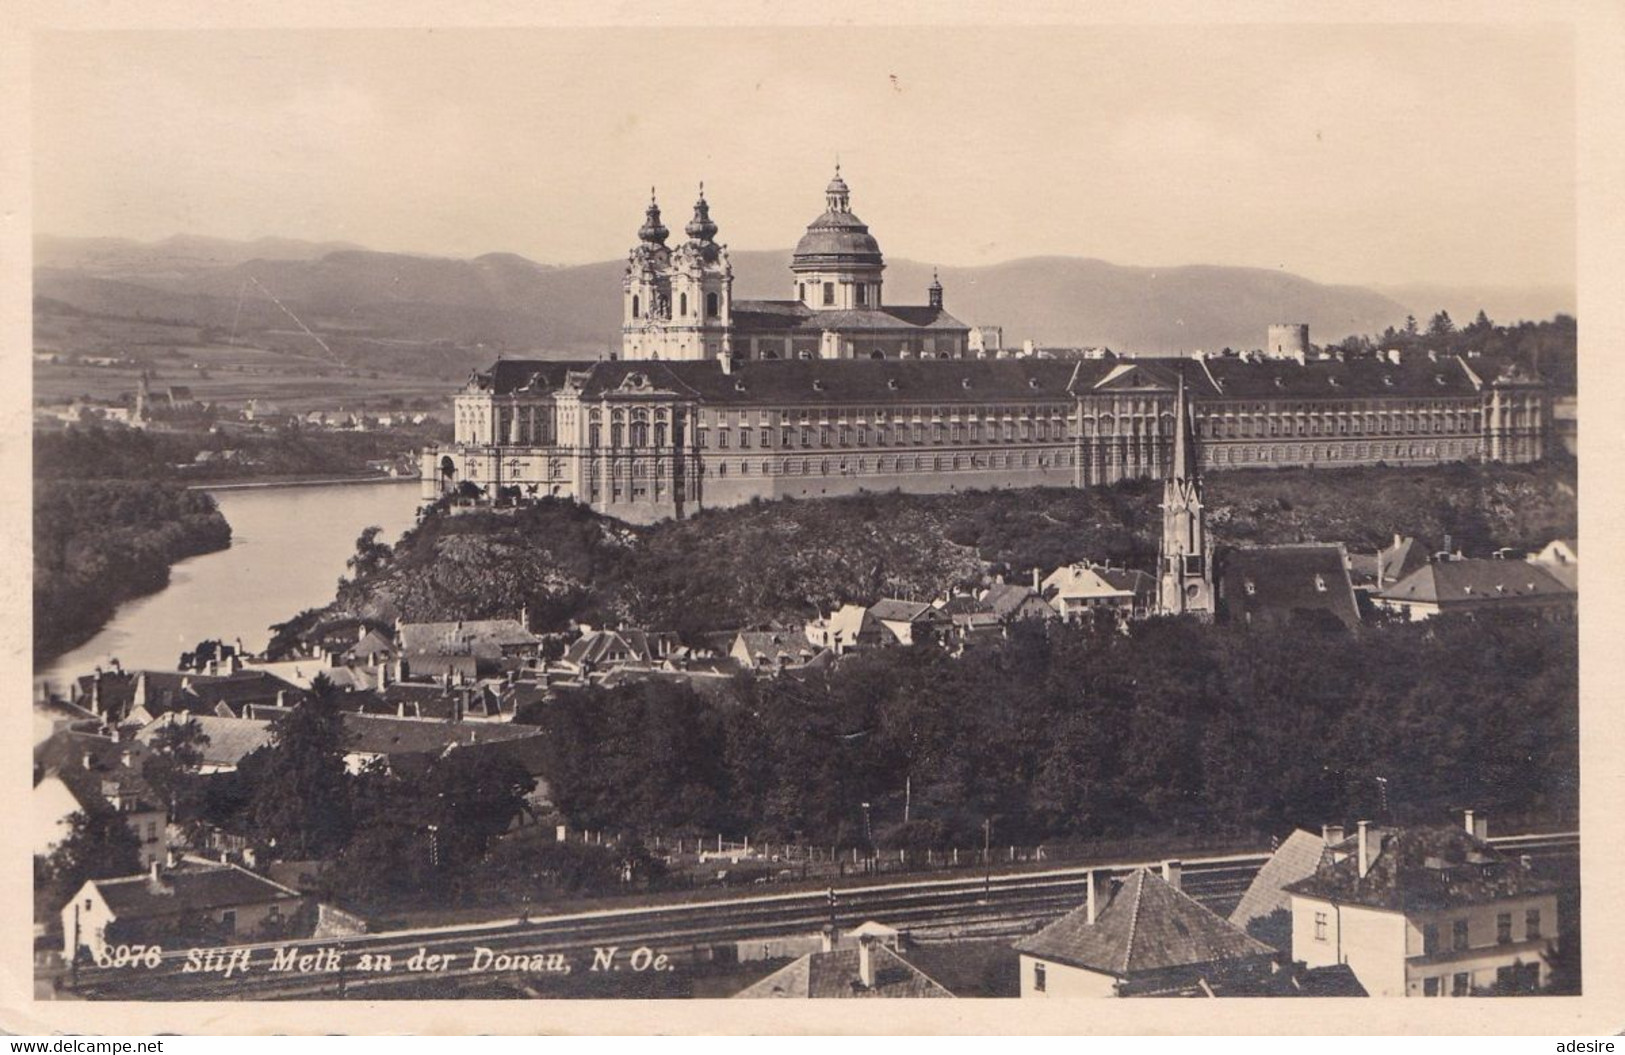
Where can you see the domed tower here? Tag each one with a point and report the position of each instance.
(837, 263)
(678, 302)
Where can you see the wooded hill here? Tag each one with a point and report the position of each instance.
(791, 560)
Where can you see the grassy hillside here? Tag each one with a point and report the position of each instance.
(789, 560)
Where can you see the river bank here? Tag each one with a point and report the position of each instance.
(288, 547)
(255, 483)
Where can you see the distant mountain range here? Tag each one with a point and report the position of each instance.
(507, 301)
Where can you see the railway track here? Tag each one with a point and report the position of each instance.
(1001, 905)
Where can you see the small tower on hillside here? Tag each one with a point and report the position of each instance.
(1185, 565)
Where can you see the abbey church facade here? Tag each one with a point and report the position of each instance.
(716, 401)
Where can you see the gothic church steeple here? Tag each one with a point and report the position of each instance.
(1185, 565)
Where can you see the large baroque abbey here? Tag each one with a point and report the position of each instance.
(716, 401)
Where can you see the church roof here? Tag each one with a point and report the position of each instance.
(777, 316)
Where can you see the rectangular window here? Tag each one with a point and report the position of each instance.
(744, 439)
(1039, 981)
(1430, 939)
(1320, 926)
(1461, 984)
(1458, 934)
(1430, 987)
(1503, 928)
(228, 921)
(722, 438)
(704, 437)
(829, 293)
(1531, 924)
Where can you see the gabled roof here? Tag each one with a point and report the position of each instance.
(1399, 560)
(191, 887)
(380, 735)
(247, 686)
(890, 610)
(230, 740)
(596, 646)
(1296, 858)
(485, 638)
(1131, 580)
(1005, 599)
(1302, 582)
(835, 974)
(774, 646)
(776, 316)
(1420, 870)
(1147, 926)
(1080, 581)
(1475, 580)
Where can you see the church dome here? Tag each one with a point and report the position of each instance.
(837, 239)
(702, 228)
(653, 231)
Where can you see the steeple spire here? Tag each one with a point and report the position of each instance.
(701, 228)
(1185, 460)
(934, 290)
(653, 231)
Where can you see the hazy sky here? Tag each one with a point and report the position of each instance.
(1346, 154)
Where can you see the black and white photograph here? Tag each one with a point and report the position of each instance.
(1036, 510)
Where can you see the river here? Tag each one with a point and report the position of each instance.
(288, 548)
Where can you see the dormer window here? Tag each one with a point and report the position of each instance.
(891, 383)
(964, 382)
(1388, 380)
(1320, 584)
(818, 384)
(1251, 587)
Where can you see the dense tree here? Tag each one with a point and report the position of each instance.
(175, 752)
(301, 806)
(1090, 731)
(370, 555)
(99, 845)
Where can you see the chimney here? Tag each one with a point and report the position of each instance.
(866, 961)
(140, 697)
(250, 858)
(1365, 849)
(1091, 903)
(1467, 821)
(155, 872)
(1331, 834)
(170, 857)
(1035, 580)
(828, 936)
(1171, 873)
(726, 362)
